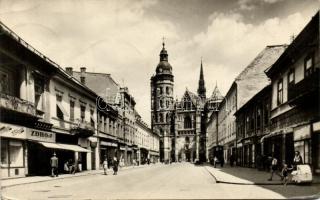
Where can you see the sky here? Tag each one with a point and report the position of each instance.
(123, 37)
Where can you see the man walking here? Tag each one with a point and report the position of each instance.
(115, 165)
(54, 165)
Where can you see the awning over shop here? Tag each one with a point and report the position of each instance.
(70, 147)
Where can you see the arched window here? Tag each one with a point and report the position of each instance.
(187, 122)
(168, 90)
(167, 117)
(161, 104)
(161, 117)
(161, 90)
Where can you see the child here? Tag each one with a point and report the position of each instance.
(285, 174)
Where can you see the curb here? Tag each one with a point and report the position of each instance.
(53, 178)
(252, 183)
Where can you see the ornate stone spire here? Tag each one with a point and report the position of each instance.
(201, 87)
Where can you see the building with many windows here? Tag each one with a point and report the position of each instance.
(294, 118)
(43, 111)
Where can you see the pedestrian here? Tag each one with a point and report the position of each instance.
(66, 167)
(105, 166)
(215, 161)
(115, 165)
(273, 168)
(72, 167)
(285, 174)
(54, 165)
(297, 160)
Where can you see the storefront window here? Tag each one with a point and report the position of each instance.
(16, 154)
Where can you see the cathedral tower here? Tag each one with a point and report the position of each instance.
(162, 105)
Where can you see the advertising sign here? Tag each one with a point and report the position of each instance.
(39, 135)
(12, 131)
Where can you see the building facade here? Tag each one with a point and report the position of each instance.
(147, 142)
(253, 124)
(295, 99)
(250, 81)
(37, 119)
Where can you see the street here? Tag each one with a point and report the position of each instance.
(175, 181)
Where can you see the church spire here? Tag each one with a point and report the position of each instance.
(201, 87)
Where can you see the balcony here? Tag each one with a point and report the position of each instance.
(306, 91)
(82, 129)
(17, 105)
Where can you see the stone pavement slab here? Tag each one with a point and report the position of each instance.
(246, 176)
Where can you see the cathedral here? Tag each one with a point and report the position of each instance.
(180, 124)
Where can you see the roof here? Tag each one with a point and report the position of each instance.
(299, 45)
(256, 96)
(216, 95)
(253, 78)
(193, 97)
(103, 84)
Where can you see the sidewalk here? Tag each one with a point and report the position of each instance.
(35, 179)
(246, 176)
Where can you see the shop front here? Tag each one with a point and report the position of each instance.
(13, 150)
(108, 150)
(315, 139)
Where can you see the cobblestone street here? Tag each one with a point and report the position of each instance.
(178, 180)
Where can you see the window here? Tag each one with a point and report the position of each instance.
(161, 104)
(280, 92)
(91, 118)
(59, 113)
(308, 65)
(38, 93)
(187, 122)
(72, 111)
(168, 90)
(16, 153)
(266, 115)
(161, 117)
(258, 118)
(161, 90)
(291, 77)
(4, 83)
(167, 104)
(82, 113)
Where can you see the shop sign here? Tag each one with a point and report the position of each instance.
(12, 131)
(110, 144)
(301, 132)
(39, 135)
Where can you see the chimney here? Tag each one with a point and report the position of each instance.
(69, 71)
(83, 75)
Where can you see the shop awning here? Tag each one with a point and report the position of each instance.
(70, 147)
